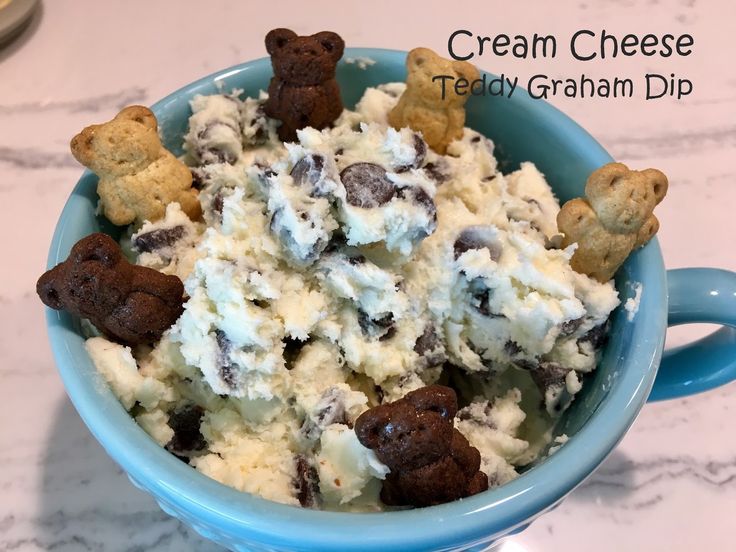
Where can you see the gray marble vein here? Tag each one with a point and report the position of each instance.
(113, 100)
(671, 143)
(34, 159)
(717, 473)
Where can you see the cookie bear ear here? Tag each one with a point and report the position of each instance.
(48, 286)
(139, 114)
(602, 179)
(370, 424)
(418, 57)
(331, 42)
(277, 39)
(96, 247)
(82, 145)
(659, 182)
(466, 70)
(434, 398)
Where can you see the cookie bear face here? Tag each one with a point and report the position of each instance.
(624, 199)
(412, 432)
(126, 144)
(129, 303)
(304, 60)
(423, 64)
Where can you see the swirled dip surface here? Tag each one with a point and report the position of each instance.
(343, 270)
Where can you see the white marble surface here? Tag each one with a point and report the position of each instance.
(670, 485)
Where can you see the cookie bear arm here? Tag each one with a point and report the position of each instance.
(573, 219)
(647, 231)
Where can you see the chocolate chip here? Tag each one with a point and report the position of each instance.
(420, 147)
(477, 237)
(260, 123)
(475, 139)
(569, 327)
(512, 348)
(533, 202)
(228, 371)
(422, 198)
(185, 422)
(379, 393)
(216, 155)
(489, 178)
(481, 297)
(158, 239)
(308, 170)
(217, 204)
(420, 152)
(428, 341)
(329, 410)
(472, 413)
(367, 185)
(381, 328)
(292, 348)
(306, 482)
(356, 260)
(339, 152)
(549, 374)
(596, 336)
(332, 408)
(197, 179)
(439, 172)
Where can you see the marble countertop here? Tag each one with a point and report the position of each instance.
(670, 484)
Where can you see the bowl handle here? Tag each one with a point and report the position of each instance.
(699, 295)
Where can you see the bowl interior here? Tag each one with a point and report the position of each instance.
(522, 129)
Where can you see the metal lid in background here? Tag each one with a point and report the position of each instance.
(13, 15)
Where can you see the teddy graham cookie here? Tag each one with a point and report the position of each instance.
(138, 176)
(431, 462)
(614, 218)
(129, 303)
(303, 91)
(422, 107)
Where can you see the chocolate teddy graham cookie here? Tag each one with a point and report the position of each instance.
(130, 304)
(303, 91)
(431, 462)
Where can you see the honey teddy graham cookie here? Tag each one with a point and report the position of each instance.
(615, 217)
(138, 177)
(422, 107)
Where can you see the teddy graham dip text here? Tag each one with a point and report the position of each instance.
(584, 45)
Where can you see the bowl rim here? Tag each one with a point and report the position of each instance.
(177, 486)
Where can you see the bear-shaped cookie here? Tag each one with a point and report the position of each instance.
(138, 177)
(431, 462)
(130, 304)
(615, 218)
(422, 107)
(303, 91)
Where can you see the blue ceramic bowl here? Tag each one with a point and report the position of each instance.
(523, 129)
